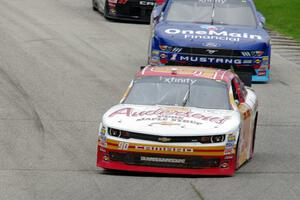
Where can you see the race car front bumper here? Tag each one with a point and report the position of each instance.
(198, 161)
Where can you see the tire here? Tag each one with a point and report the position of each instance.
(253, 137)
(236, 155)
(105, 12)
(95, 6)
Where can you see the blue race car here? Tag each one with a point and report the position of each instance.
(215, 33)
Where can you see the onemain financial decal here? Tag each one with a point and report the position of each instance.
(212, 35)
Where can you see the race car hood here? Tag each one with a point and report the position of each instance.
(171, 121)
(207, 36)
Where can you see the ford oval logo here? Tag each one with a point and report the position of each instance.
(211, 44)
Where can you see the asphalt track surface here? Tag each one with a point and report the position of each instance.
(62, 65)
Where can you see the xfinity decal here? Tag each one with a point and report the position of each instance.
(177, 80)
(212, 35)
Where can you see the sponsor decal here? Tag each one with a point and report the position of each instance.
(213, 60)
(170, 80)
(212, 28)
(174, 57)
(169, 121)
(265, 58)
(229, 151)
(164, 160)
(258, 61)
(210, 44)
(163, 55)
(155, 52)
(228, 157)
(155, 58)
(130, 112)
(212, 33)
(229, 145)
(102, 142)
(166, 149)
(231, 138)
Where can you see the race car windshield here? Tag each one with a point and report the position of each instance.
(214, 12)
(190, 92)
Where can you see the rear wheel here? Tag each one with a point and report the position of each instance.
(253, 137)
(237, 155)
(95, 5)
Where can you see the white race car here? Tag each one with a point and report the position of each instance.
(180, 120)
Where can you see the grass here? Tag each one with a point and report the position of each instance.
(282, 16)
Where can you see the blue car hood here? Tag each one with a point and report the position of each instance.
(211, 36)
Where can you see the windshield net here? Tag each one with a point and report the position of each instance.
(190, 92)
(217, 12)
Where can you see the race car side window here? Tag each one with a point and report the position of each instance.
(159, 9)
(242, 87)
(235, 95)
(238, 91)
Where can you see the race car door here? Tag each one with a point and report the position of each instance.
(245, 108)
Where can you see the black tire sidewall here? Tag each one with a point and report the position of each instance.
(95, 6)
(105, 11)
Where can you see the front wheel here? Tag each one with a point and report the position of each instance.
(106, 10)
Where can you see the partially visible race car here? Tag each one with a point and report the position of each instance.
(180, 120)
(137, 10)
(223, 33)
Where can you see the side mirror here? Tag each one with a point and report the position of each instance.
(157, 10)
(261, 18)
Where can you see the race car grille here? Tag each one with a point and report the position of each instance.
(155, 138)
(205, 51)
(171, 161)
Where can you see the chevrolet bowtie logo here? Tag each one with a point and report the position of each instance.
(210, 51)
(164, 139)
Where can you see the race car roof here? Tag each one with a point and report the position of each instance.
(193, 72)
